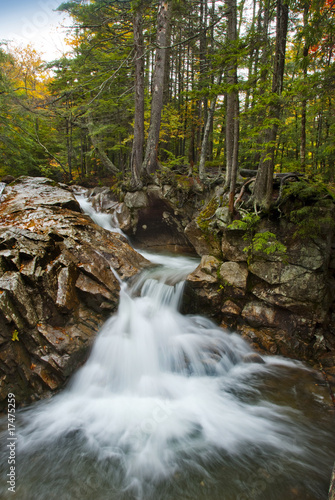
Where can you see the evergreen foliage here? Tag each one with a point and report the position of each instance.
(75, 119)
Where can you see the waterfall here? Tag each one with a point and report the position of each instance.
(2, 187)
(105, 220)
(166, 408)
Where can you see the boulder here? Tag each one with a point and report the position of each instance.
(234, 274)
(204, 242)
(232, 245)
(59, 281)
(202, 293)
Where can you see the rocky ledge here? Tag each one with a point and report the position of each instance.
(282, 306)
(58, 283)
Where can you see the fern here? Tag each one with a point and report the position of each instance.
(260, 242)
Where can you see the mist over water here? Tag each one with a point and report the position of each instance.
(166, 408)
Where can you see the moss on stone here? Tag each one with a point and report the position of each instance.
(205, 216)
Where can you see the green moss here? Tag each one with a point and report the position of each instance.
(312, 221)
(308, 192)
(205, 216)
(311, 208)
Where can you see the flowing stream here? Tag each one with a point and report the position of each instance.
(167, 408)
(2, 187)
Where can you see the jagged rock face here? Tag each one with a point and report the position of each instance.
(283, 308)
(56, 286)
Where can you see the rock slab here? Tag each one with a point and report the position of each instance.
(58, 284)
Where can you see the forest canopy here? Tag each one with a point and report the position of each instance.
(204, 86)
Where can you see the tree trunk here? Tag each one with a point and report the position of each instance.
(150, 160)
(232, 123)
(138, 142)
(205, 140)
(304, 101)
(264, 180)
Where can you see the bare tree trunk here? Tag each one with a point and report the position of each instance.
(232, 122)
(163, 19)
(69, 144)
(205, 139)
(264, 180)
(138, 142)
(304, 100)
(234, 163)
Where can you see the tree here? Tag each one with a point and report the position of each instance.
(163, 19)
(138, 141)
(23, 124)
(232, 122)
(264, 179)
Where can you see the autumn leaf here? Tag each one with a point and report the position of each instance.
(15, 336)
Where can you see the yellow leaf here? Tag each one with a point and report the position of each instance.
(15, 336)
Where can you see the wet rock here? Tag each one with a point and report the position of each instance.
(202, 292)
(57, 286)
(253, 358)
(125, 219)
(103, 199)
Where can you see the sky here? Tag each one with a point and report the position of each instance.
(34, 22)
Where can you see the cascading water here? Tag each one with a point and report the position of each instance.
(166, 408)
(2, 187)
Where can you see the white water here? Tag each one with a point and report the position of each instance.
(105, 220)
(2, 187)
(162, 395)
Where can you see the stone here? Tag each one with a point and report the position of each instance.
(276, 272)
(205, 243)
(124, 218)
(229, 308)
(209, 264)
(223, 215)
(235, 274)
(331, 494)
(138, 199)
(306, 294)
(259, 314)
(253, 358)
(232, 246)
(57, 286)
